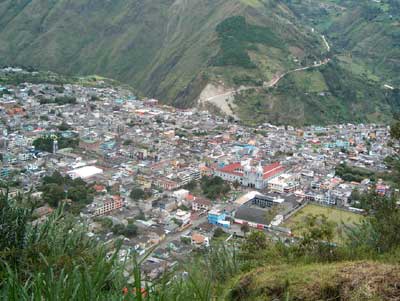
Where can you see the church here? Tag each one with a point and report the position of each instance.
(250, 176)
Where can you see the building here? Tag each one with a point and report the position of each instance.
(166, 184)
(189, 175)
(284, 183)
(199, 240)
(201, 204)
(183, 217)
(266, 201)
(250, 176)
(217, 217)
(109, 205)
(85, 172)
(255, 213)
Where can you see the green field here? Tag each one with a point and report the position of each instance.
(340, 217)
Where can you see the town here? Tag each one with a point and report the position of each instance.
(174, 180)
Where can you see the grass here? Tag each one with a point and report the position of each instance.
(361, 280)
(340, 217)
(253, 3)
(311, 81)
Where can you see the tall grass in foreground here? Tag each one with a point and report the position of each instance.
(56, 260)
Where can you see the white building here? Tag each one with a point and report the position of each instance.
(183, 216)
(85, 172)
(284, 183)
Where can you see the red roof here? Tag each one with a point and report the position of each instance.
(269, 170)
(272, 170)
(99, 188)
(189, 197)
(202, 201)
(232, 169)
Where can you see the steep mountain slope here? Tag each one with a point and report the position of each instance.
(173, 49)
(361, 81)
(159, 46)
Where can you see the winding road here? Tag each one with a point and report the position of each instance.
(225, 100)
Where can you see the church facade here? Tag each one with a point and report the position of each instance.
(250, 176)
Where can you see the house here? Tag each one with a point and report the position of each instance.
(168, 204)
(217, 217)
(109, 205)
(199, 240)
(284, 183)
(201, 204)
(166, 184)
(181, 194)
(99, 188)
(183, 217)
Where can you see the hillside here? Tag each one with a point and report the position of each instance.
(167, 49)
(338, 281)
(174, 49)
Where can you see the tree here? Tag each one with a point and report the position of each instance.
(245, 228)
(272, 212)
(131, 230)
(219, 232)
(64, 126)
(55, 178)
(79, 194)
(56, 187)
(317, 228)
(13, 228)
(118, 229)
(214, 187)
(137, 194)
(255, 242)
(141, 216)
(191, 185)
(53, 194)
(317, 233)
(236, 184)
(379, 231)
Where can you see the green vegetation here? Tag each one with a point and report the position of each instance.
(174, 68)
(45, 144)
(334, 281)
(138, 194)
(36, 77)
(57, 258)
(237, 42)
(129, 230)
(328, 94)
(340, 218)
(236, 36)
(59, 100)
(54, 259)
(354, 174)
(57, 188)
(214, 187)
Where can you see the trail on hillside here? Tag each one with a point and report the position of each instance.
(225, 99)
